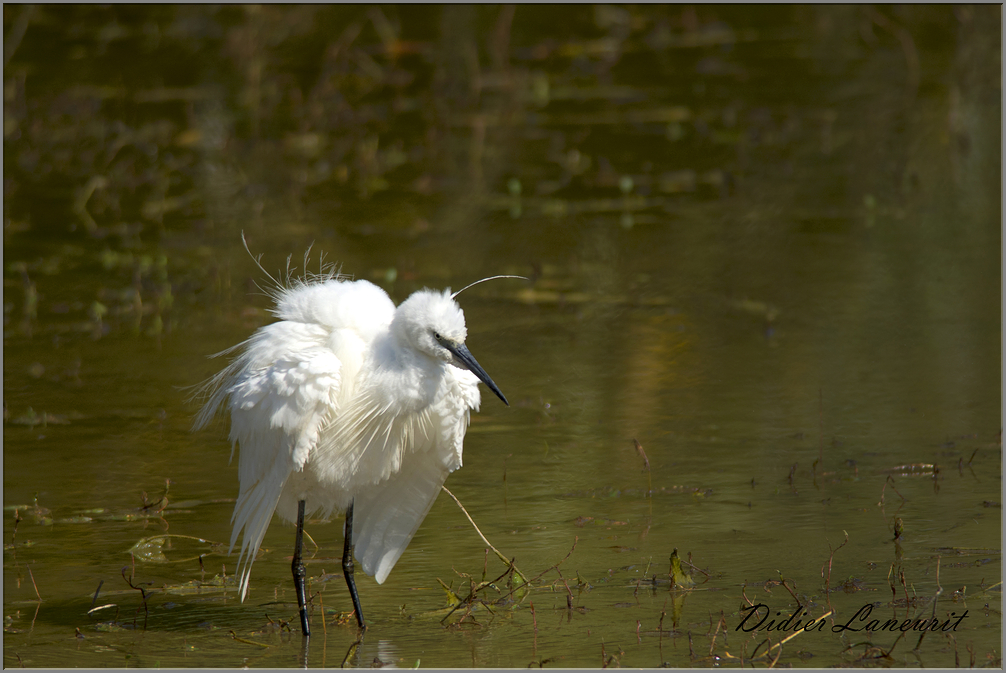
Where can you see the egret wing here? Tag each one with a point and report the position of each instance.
(279, 400)
(386, 517)
(388, 514)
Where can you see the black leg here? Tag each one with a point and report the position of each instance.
(347, 567)
(299, 572)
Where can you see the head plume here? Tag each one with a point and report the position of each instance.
(482, 281)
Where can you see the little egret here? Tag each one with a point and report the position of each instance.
(346, 403)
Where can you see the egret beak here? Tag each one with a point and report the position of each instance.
(464, 358)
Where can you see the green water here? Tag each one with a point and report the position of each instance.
(762, 242)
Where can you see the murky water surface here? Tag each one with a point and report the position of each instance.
(764, 244)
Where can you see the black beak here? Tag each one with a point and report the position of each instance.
(464, 358)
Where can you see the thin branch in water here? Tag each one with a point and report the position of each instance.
(569, 593)
(936, 599)
(890, 480)
(504, 481)
(310, 539)
(143, 594)
(786, 587)
(474, 591)
(17, 520)
(321, 605)
(576, 539)
(798, 632)
(831, 558)
(499, 554)
(744, 594)
(897, 640)
(778, 654)
(239, 639)
(721, 624)
(34, 585)
(646, 467)
(642, 454)
(95, 599)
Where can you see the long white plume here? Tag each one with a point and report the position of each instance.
(482, 281)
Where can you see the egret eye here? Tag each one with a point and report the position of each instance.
(436, 335)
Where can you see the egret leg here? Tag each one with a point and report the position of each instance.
(299, 572)
(347, 567)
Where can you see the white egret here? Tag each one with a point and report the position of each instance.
(346, 403)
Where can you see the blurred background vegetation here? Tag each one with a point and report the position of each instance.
(132, 130)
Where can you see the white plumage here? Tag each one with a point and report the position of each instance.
(347, 402)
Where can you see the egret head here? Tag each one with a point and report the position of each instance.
(432, 323)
